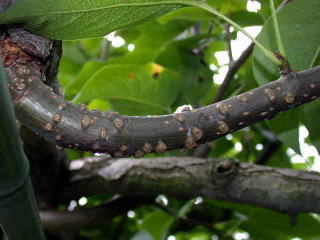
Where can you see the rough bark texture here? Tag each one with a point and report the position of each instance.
(283, 190)
(69, 125)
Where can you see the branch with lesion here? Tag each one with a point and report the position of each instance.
(283, 190)
(69, 125)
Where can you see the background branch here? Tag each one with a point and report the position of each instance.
(283, 190)
(86, 217)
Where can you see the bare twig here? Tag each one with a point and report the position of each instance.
(105, 51)
(228, 40)
(189, 220)
(233, 69)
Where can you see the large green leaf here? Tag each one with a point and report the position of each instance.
(150, 39)
(88, 69)
(300, 33)
(132, 89)
(312, 120)
(74, 19)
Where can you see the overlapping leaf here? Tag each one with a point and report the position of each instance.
(132, 89)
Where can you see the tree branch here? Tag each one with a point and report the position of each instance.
(55, 221)
(74, 126)
(283, 190)
(188, 220)
(69, 125)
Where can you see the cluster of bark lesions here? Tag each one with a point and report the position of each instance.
(74, 126)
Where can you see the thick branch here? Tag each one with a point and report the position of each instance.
(283, 190)
(69, 125)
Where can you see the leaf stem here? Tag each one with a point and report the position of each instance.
(205, 6)
(313, 62)
(277, 29)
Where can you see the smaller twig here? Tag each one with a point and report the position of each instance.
(285, 2)
(203, 150)
(197, 28)
(228, 40)
(234, 67)
(105, 50)
(268, 152)
(189, 220)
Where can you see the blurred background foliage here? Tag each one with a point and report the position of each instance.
(181, 59)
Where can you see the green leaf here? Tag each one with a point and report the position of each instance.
(242, 17)
(73, 19)
(151, 41)
(245, 18)
(132, 89)
(286, 126)
(311, 121)
(279, 225)
(297, 27)
(158, 224)
(67, 71)
(197, 77)
(88, 69)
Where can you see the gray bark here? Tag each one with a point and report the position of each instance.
(69, 125)
(283, 190)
